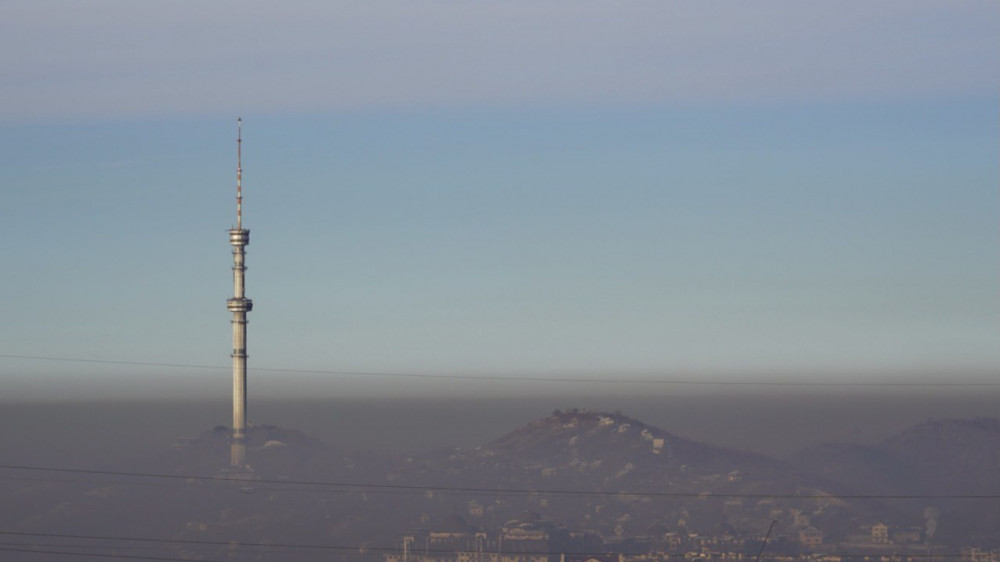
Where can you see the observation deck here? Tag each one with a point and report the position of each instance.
(239, 236)
(239, 304)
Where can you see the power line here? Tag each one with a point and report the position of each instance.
(406, 488)
(355, 548)
(192, 541)
(520, 378)
(99, 555)
(130, 547)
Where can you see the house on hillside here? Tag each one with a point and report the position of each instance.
(880, 533)
(811, 537)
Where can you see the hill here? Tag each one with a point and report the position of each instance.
(614, 474)
(945, 457)
(611, 475)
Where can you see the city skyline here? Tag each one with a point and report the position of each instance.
(742, 199)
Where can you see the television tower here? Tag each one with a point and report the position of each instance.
(239, 305)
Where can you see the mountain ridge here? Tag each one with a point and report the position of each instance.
(604, 472)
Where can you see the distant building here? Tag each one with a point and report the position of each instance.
(910, 535)
(811, 537)
(973, 554)
(520, 540)
(880, 533)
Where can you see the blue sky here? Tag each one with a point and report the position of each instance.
(563, 189)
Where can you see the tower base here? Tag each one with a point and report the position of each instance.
(238, 473)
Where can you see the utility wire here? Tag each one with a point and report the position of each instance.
(99, 555)
(369, 548)
(518, 378)
(194, 542)
(130, 547)
(154, 484)
(405, 488)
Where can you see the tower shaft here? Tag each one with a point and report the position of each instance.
(239, 305)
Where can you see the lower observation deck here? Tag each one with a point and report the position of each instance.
(239, 305)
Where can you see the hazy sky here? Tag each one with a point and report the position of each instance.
(724, 190)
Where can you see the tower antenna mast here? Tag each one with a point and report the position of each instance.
(239, 172)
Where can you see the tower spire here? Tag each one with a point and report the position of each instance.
(239, 172)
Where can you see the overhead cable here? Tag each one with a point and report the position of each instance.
(526, 378)
(407, 488)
